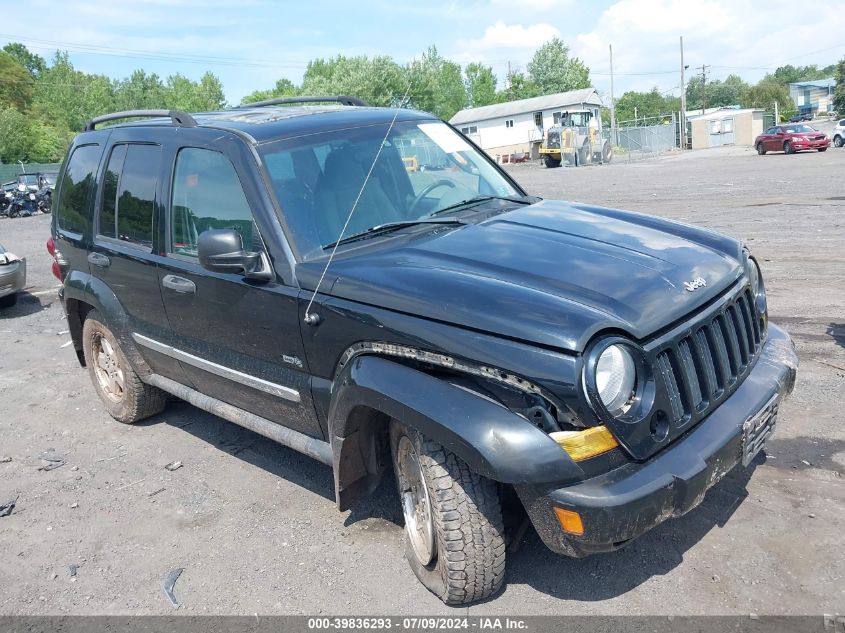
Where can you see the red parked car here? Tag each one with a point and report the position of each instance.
(790, 138)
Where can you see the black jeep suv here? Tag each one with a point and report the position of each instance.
(291, 269)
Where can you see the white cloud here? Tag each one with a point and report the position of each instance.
(532, 5)
(728, 35)
(503, 40)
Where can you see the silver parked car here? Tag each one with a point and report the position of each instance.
(12, 277)
(838, 134)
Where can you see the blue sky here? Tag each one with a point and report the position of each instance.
(251, 43)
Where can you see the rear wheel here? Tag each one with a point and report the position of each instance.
(787, 148)
(453, 519)
(126, 397)
(607, 153)
(760, 149)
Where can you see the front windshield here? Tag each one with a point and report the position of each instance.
(424, 167)
(799, 129)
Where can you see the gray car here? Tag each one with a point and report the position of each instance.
(12, 277)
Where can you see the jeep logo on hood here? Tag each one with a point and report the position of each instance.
(695, 284)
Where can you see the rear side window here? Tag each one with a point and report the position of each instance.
(129, 194)
(206, 195)
(77, 188)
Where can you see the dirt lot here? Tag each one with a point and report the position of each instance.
(255, 527)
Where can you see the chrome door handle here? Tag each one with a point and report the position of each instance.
(98, 259)
(179, 284)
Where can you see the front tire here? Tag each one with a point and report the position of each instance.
(127, 398)
(822, 149)
(760, 149)
(838, 141)
(550, 161)
(453, 519)
(787, 148)
(9, 300)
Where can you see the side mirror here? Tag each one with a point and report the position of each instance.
(222, 251)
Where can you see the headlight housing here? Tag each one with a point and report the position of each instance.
(616, 378)
(758, 289)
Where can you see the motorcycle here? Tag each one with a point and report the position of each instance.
(22, 204)
(44, 200)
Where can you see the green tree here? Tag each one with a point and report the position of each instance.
(14, 136)
(519, 87)
(553, 70)
(283, 88)
(16, 84)
(68, 97)
(839, 91)
(788, 74)
(480, 85)
(436, 84)
(33, 63)
(140, 91)
(717, 93)
(634, 105)
(765, 93)
(380, 81)
(185, 94)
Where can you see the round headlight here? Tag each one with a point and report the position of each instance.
(616, 378)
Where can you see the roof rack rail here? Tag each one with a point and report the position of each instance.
(182, 119)
(342, 99)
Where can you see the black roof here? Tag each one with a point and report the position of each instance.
(270, 123)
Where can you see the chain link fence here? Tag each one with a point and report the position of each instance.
(646, 137)
(10, 172)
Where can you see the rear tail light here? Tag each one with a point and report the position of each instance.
(58, 260)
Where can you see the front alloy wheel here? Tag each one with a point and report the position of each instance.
(416, 505)
(453, 519)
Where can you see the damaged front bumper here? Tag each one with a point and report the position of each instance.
(626, 502)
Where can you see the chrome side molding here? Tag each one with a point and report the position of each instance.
(220, 370)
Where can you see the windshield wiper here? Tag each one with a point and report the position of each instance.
(387, 227)
(471, 202)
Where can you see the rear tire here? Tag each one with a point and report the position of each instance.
(127, 398)
(454, 533)
(760, 149)
(787, 148)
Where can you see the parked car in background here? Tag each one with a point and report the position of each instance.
(12, 277)
(839, 133)
(790, 138)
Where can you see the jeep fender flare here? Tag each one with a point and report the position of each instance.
(85, 288)
(493, 441)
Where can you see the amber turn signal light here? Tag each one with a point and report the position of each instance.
(587, 443)
(570, 521)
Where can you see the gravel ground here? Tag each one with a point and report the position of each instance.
(255, 527)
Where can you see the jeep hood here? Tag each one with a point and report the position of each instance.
(552, 273)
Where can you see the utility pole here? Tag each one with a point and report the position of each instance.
(683, 100)
(777, 118)
(704, 88)
(510, 82)
(612, 102)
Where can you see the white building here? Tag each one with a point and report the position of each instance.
(519, 126)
